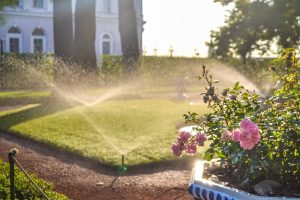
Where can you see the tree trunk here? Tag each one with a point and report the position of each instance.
(63, 28)
(85, 33)
(63, 41)
(129, 34)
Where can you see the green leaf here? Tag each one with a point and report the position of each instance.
(236, 86)
(220, 154)
(209, 154)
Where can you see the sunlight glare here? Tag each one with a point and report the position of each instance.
(184, 25)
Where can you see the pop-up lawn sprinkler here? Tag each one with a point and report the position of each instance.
(122, 168)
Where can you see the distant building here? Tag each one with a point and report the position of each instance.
(29, 27)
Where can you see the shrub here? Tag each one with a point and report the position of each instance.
(23, 187)
(258, 137)
(111, 69)
(25, 71)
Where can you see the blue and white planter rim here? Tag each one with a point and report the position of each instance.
(203, 189)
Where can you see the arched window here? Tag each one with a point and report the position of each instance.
(14, 40)
(38, 41)
(38, 32)
(106, 44)
(107, 6)
(106, 37)
(14, 30)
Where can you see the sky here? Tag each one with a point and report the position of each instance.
(183, 24)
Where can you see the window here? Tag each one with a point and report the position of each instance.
(38, 41)
(14, 30)
(1, 46)
(107, 6)
(38, 3)
(14, 45)
(14, 40)
(38, 45)
(106, 44)
(38, 32)
(106, 47)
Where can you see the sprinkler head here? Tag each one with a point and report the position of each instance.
(123, 159)
(122, 168)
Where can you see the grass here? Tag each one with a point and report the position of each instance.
(10, 98)
(143, 130)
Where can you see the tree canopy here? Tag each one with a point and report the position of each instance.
(4, 3)
(255, 25)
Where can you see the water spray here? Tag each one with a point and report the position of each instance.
(122, 168)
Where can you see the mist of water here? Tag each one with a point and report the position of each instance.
(76, 94)
(228, 76)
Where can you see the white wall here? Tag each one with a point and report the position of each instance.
(27, 18)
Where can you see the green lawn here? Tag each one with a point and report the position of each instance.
(125, 122)
(143, 130)
(23, 93)
(9, 98)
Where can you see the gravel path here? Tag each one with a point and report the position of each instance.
(83, 179)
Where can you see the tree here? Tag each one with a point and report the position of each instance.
(84, 42)
(85, 33)
(254, 25)
(4, 3)
(75, 48)
(63, 42)
(129, 35)
(63, 28)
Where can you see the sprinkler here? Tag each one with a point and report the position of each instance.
(122, 168)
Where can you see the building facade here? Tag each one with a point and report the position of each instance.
(28, 27)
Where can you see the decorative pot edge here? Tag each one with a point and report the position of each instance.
(203, 189)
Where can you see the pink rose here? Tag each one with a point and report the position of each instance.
(200, 138)
(246, 144)
(235, 136)
(191, 148)
(249, 135)
(184, 136)
(226, 135)
(176, 149)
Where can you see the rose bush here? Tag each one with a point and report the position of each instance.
(258, 137)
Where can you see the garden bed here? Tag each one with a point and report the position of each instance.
(211, 180)
(227, 177)
(258, 138)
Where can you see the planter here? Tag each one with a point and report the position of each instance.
(203, 189)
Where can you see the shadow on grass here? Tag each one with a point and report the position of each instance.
(48, 106)
(22, 100)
